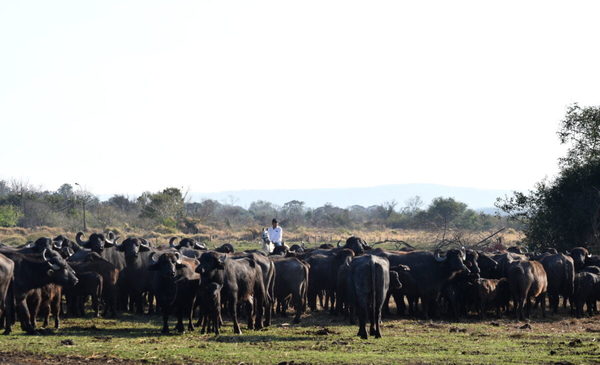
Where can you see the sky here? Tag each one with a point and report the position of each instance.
(133, 96)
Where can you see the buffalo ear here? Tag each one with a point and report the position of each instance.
(50, 272)
(120, 248)
(153, 267)
(221, 262)
(180, 266)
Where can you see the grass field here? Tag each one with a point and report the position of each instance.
(319, 339)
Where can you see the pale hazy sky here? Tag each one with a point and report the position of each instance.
(128, 96)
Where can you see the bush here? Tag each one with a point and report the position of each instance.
(9, 216)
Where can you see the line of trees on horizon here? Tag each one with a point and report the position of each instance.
(169, 211)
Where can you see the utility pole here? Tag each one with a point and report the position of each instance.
(83, 206)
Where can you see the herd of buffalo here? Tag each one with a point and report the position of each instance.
(187, 280)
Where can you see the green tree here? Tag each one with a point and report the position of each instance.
(443, 212)
(565, 211)
(165, 207)
(9, 216)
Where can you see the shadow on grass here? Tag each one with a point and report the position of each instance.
(254, 338)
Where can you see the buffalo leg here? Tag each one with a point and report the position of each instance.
(165, 312)
(233, 310)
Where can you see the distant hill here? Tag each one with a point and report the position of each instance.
(480, 199)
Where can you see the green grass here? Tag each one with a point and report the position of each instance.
(405, 341)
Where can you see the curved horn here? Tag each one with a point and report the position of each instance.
(171, 244)
(438, 257)
(178, 255)
(567, 252)
(338, 244)
(79, 240)
(589, 255)
(110, 239)
(55, 267)
(145, 242)
(153, 257)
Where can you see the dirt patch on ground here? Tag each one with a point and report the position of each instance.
(18, 358)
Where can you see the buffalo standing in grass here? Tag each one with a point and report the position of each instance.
(368, 282)
(243, 284)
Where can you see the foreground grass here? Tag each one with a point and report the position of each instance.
(321, 339)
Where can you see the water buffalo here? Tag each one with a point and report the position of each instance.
(242, 281)
(175, 286)
(268, 274)
(587, 291)
(323, 275)
(491, 292)
(33, 272)
(210, 313)
(368, 282)
(110, 275)
(560, 270)
(291, 280)
(102, 245)
(527, 281)
(7, 269)
(579, 255)
(90, 284)
(430, 270)
(357, 245)
(135, 279)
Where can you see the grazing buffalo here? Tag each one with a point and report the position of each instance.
(560, 270)
(33, 272)
(527, 281)
(242, 281)
(291, 280)
(175, 285)
(368, 282)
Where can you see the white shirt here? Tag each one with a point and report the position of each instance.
(275, 234)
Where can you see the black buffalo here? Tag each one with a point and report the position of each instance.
(175, 286)
(242, 281)
(33, 272)
(368, 282)
(560, 270)
(430, 271)
(291, 281)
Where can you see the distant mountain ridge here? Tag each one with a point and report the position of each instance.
(479, 199)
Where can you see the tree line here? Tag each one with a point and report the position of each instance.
(23, 205)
